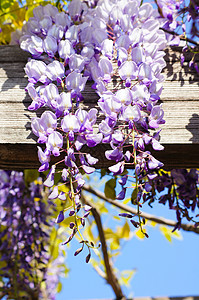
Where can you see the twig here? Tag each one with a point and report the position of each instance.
(110, 275)
(147, 216)
(181, 37)
(100, 272)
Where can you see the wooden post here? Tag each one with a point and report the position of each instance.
(180, 96)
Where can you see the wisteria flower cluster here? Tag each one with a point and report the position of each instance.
(182, 23)
(169, 10)
(118, 45)
(26, 223)
(179, 189)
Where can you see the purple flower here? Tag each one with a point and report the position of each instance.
(106, 69)
(91, 160)
(88, 169)
(82, 116)
(55, 71)
(49, 182)
(115, 154)
(38, 101)
(123, 180)
(131, 113)
(44, 126)
(63, 20)
(147, 187)
(65, 49)
(62, 196)
(145, 73)
(121, 195)
(156, 116)
(128, 70)
(45, 24)
(64, 104)
(32, 44)
(118, 168)
(55, 142)
(125, 96)
(70, 123)
(107, 48)
(76, 63)
(110, 105)
(57, 31)
(93, 139)
(123, 41)
(51, 95)
(36, 71)
(44, 160)
(72, 34)
(122, 55)
(60, 217)
(54, 194)
(75, 9)
(75, 82)
(80, 180)
(153, 163)
(50, 46)
(126, 215)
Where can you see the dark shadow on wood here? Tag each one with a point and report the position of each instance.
(193, 127)
(172, 57)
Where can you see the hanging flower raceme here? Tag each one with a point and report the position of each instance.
(179, 189)
(26, 225)
(118, 42)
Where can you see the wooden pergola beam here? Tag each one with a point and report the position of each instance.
(180, 96)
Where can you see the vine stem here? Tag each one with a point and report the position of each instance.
(110, 275)
(73, 195)
(136, 179)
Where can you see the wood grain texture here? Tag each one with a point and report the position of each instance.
(180, 97)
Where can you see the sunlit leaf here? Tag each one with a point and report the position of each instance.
(177, 234)
(126, 276)
(125, 234)
(103, 172)
(30, 175)
(153, 224)
(109, 233)
(168, 234)
(116, 218)
(139, 234)
(115, 244)
(134, 196)
(109, 189)
(125, 201)
(59, 287)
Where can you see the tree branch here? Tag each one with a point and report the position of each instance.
(181, 36)
(110, 275)
(145, 215)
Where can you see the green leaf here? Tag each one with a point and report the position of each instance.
(59, 287)
(125, 201)
(4, 4)
(139, 234)
(134, 196)
(115, 244)
(103, 173)
(168, 234)
(125, 234)
(109, 234)
(109, 189)
(30, 176)
(126, 276)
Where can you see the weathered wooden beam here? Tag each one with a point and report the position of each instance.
(180, 97)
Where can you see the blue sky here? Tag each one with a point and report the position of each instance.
(162, 268)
